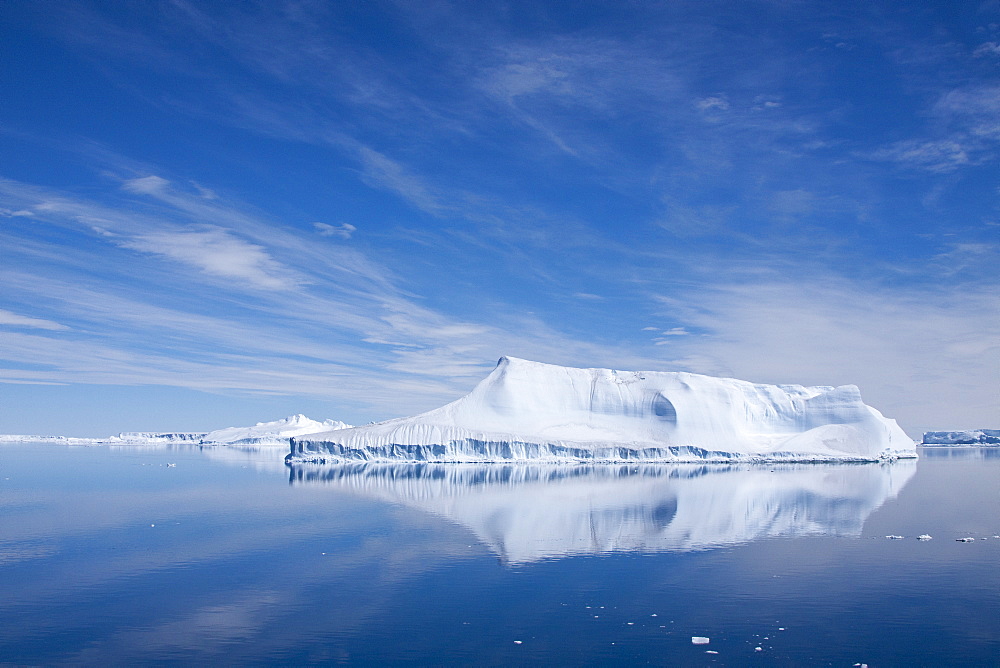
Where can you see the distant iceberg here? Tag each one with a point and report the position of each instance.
(526, 512)
(275, 433)
(124, 438)
(271, 433)
(970, 437)
(529, 411)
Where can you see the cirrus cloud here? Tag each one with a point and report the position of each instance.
(15, 320)
(216, 252)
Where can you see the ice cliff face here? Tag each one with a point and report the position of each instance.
(531, 411)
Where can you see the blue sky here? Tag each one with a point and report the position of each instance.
(213, 214)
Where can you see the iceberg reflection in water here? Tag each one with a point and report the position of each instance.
(530, 512)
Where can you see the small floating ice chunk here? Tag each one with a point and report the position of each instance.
(518, 642)
(924, 536)
(758, 649)
(967, 539)
(710, 651)
(891, 537)
(699, 640)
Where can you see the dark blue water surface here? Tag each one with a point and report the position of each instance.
(188, 555)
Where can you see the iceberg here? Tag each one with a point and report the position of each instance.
(969, 437)
(526, 512)
(276, 432)
(148, 437)
(530, 411)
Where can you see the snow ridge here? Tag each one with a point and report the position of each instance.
(530, 411)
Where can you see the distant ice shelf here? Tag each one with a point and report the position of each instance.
(276, 433)
(969, 437)
(530, 411)
(124, 438)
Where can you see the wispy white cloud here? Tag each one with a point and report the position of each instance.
(383, 172)
(22, 213)
(556, 86)
(147, 185)
(943, 155)
(344, 230)
(718, 102)
(964, 257)
(974, 110)
(969, 133)
(218, 253)
(986, 49)
(15, 320)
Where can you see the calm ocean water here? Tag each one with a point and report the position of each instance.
(184, 555)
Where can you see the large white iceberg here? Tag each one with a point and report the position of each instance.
(541, 412)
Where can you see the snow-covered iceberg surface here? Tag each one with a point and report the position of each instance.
(526, 512)
(532, 411)
(971, 437)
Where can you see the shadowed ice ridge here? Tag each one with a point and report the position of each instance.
(529, 512)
